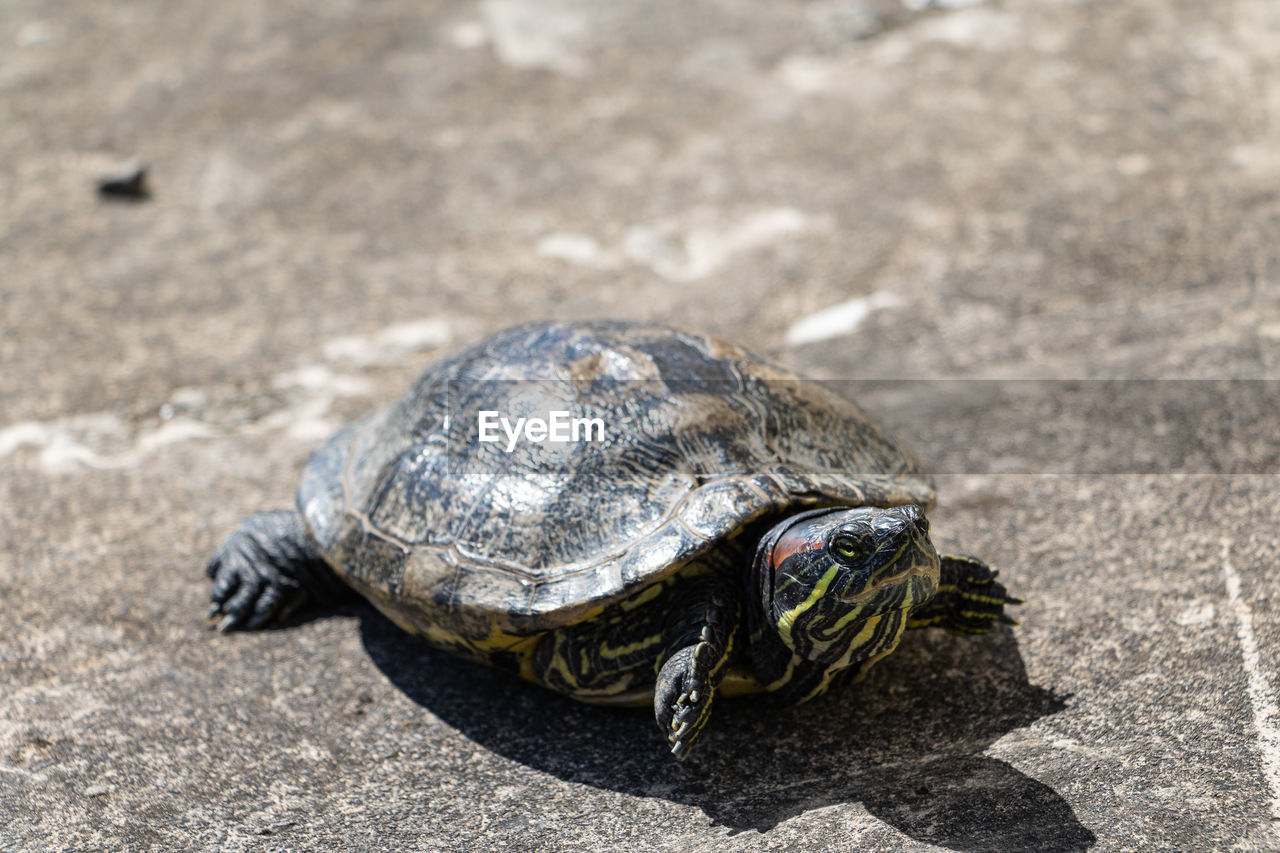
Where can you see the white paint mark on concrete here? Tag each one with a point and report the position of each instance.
(315, 388)
(104, 440)
(391, 344)
(839, 319)
(984, 29)
(69, 443)
(24, 434)
(33, 33)
(808, 75)
(1133, 165)
(38, 778)
(170, 432)
(578, 249)
(317, 377)
(681, 253)
(971, 29)
(538, 34)
(189, 397)
(306, 420)
(921, 5)
(1266, 715)
(468, 35)
(1196, 614)
(1260, 159)
(317, 115)
(226, 183)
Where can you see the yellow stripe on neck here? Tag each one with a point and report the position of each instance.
(786, 620)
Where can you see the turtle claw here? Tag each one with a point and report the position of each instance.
(682, 699)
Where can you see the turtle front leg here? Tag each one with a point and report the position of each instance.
(698, 640)
(969, 599)
(266, 569)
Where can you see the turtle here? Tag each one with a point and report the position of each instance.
(719, 527)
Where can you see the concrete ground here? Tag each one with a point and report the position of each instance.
(1015, 189)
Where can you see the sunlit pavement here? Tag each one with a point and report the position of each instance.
(857, 189)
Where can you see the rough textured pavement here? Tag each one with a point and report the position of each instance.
(1047, 189)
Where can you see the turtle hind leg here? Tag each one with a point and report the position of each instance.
(266, 569)
(969, 599)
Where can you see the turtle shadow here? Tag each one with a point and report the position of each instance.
(907, 743)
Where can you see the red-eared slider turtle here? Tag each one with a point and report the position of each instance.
(719, 526)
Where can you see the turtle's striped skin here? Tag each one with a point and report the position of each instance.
(738, 529)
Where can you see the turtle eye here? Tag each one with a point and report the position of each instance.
(846, 548)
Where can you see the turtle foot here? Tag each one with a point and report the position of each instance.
(682, 697)
(970, 600)
(260, 571)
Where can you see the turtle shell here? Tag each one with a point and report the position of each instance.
(461, 538)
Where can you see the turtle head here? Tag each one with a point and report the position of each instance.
(838, 584)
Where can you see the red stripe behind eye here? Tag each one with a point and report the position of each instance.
(794, 543)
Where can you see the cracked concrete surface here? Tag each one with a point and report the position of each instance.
(862, 189)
